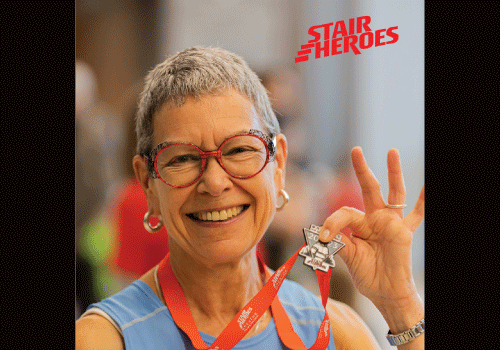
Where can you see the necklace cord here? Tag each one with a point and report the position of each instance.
(244, 320)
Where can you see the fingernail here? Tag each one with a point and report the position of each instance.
(324, 235)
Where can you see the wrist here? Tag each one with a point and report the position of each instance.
(402, 314)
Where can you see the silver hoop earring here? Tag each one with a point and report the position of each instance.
(147, 224)
(286, 198)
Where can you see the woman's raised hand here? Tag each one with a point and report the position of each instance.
(378, 252)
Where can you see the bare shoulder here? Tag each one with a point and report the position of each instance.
(349, 330)
(94, 332)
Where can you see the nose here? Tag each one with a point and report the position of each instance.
(214, 179)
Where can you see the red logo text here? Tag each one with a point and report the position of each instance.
(337, 38)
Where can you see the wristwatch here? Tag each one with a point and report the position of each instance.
(407, 335)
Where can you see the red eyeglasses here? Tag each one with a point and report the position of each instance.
(182, 164)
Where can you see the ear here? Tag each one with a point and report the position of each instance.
(280, 159)
(147, 184)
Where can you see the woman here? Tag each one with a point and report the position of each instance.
(216, 207)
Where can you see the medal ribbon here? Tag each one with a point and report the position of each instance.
(241, 324)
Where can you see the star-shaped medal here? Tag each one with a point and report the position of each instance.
(319, 255)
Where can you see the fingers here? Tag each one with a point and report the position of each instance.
(348, 252)
(397, 191)
(344, 217)
(370, 187)
(414, 219)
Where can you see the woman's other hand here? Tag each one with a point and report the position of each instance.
(378, 252)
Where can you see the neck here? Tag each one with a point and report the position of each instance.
(217, 292)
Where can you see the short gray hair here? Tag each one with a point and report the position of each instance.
(195, 72)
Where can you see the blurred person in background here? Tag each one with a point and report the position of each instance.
(305, 182)
(89, 181)
(201, 100)
(283, 87)
(98, 137)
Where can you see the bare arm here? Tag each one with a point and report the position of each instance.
(94, 332)
(349, 330)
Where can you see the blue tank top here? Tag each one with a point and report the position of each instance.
(146, 322)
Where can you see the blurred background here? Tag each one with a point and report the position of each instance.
(325, 106)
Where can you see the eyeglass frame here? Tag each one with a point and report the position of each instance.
(151, 157)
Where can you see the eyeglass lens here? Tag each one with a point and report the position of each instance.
(241, 156)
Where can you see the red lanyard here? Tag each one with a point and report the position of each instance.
(241, 324)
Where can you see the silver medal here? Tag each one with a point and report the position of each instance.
(319, 255)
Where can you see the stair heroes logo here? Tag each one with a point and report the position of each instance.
(355, 36)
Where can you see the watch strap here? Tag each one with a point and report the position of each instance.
(406, 336)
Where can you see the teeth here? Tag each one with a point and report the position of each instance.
(223, 215)
(219, 215)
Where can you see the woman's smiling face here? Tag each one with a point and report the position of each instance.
(249, 204)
